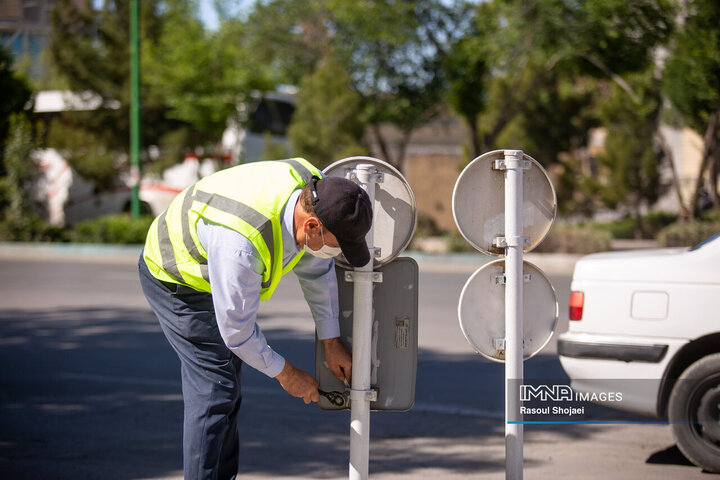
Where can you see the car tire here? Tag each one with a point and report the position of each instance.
(694, 411)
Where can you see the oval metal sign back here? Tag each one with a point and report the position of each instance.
(481, 310)
(479, 202)
(395, 208)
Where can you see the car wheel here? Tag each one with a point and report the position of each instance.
(694, 413)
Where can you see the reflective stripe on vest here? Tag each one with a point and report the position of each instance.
(251, 216)
(162, 256)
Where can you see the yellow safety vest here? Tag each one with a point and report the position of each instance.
(249, 199)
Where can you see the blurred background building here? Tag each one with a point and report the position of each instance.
(25, 30)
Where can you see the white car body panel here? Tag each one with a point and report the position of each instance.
(641, 300)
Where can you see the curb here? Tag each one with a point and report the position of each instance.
(467, 262)
(550, 263)
(69, 251)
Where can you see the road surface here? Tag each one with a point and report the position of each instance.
(90, 389)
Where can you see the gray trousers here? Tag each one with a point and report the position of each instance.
(210, 375)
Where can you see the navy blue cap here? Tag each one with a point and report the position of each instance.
(344, 209)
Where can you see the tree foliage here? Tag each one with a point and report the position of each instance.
(632, 160)
(388, 49)
(201, 76)
(327, 123)
(692, 83)
(542, 68)
(18, 220)
(90, 49)
(188, 84)
(536, 75)
(16, 93)
(535, 45)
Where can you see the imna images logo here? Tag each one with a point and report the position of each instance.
(544, 393)
(560, 393)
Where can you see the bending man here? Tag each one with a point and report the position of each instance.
(218, 250)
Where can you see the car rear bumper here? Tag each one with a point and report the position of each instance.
(636, 365)
(625, 352)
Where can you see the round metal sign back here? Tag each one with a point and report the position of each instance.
(394, 211)
(479, 202)
(481, 310)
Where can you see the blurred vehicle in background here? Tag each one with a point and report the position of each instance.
(65, 198)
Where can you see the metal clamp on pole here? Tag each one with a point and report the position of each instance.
(504, 242)
(351, 174)
(374, 277)
(513, 161)
(502, 279)
(363, 395)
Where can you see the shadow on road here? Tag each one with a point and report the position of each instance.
(670, 456)
(95, 393)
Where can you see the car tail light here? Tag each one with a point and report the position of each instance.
(576, 305)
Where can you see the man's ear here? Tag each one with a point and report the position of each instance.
(310, 224)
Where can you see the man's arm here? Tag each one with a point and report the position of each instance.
(235, 275)
(319, 285)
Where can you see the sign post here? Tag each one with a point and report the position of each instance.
(361, 394)
(505, 215)
(514, 241)
(382, 307)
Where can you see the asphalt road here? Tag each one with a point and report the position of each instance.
(90, 389)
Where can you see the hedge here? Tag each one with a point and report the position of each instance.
(573, 239)
(685, 234)
(117, 229)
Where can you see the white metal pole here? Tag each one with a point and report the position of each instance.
(361, 347)
(513, 312)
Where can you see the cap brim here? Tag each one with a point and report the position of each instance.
(356, 253)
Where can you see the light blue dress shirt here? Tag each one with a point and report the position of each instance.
(235, 270)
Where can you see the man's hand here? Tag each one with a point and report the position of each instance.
(338, 359)
(298, 383)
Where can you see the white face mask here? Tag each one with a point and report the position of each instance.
(326, 251)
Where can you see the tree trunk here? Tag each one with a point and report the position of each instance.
(708, 147)
(477, 149)
(402, 149)
(398, 160)
(684, 212)
(714, 178)
(381, 142)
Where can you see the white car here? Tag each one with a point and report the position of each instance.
(648, 323)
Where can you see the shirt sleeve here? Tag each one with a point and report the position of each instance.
(236, 276)
(319, 285)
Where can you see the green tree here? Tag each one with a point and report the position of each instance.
(17, 218)
(538, 65)
(86, 151)
(327, 125)
(531, 41)
(692, 83)
(388, 49)
(466, 65)
(184, 100)
(393, 51)
(286, 37)
(201, 76)
(90, 48)
(16, 93)
(632, 158)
